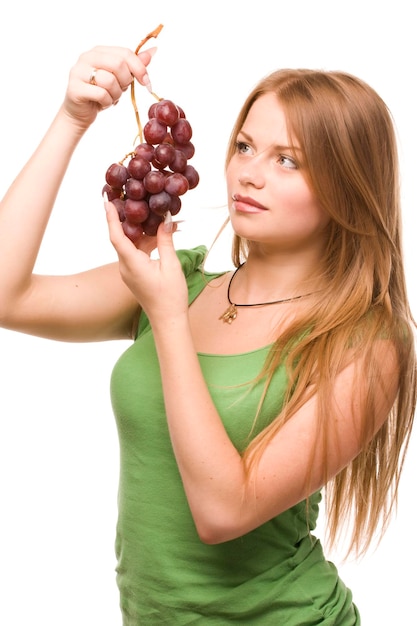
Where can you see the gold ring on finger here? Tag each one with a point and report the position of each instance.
(92, 79)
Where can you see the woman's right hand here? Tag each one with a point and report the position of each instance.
(99, 78)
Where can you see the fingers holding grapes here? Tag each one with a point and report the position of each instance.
(100, 77)
(117, 67)
(147, 278)
(132, 258)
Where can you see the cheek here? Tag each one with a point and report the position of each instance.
(313, 208)
(303, 208)
(305, 200)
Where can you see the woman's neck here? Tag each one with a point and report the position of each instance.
(279, 276)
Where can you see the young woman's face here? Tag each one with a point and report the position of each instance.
(270, 201)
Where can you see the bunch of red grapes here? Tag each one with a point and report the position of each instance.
(157, 174)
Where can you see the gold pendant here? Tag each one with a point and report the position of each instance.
(229, 315)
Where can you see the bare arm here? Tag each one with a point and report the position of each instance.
(91, 305)
(227, 496)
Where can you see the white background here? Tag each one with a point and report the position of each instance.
(58, 442)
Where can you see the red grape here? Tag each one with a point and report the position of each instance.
(179, 162)
(154, 181)
(135, 189)
(160, 203)
(152, 109)
(138, 167)
(176, 184)
(167, 112)
(116, 175)
(133, 231)
(154, 131)
(192, 176)
(145, 151)
(181, 131)
(175, 205)
(112, 192)
(120, 206)
(168, 139)
(165, 153)
(150, 225)
(188, 149)
(136, 211)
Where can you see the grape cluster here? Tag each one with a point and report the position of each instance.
(157, 174)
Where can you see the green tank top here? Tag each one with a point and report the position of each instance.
(274, 575)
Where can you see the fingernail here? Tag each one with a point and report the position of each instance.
(151, 50)
(147, 83)
(168, 223)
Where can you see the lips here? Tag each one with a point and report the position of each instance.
(245, 204)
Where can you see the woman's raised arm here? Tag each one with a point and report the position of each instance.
(90, 305)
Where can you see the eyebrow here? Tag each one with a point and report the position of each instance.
(278, 147)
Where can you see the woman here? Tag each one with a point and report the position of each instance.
(244, 393)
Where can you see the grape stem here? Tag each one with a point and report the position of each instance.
(150, 35)
(154, 33)
(129, 155)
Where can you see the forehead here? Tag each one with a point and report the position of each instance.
(266, 118)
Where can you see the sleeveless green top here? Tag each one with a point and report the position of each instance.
(274, 575)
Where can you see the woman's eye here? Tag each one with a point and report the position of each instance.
(242, 147)
(287, 162)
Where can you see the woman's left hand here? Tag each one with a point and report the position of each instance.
(158, 284)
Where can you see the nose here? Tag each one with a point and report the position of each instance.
(252, 173)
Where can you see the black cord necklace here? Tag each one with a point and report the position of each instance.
(230, 313)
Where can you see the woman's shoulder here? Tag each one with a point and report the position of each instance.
(192, 259)
(192, 262)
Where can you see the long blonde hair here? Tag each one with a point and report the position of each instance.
(348, 141)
